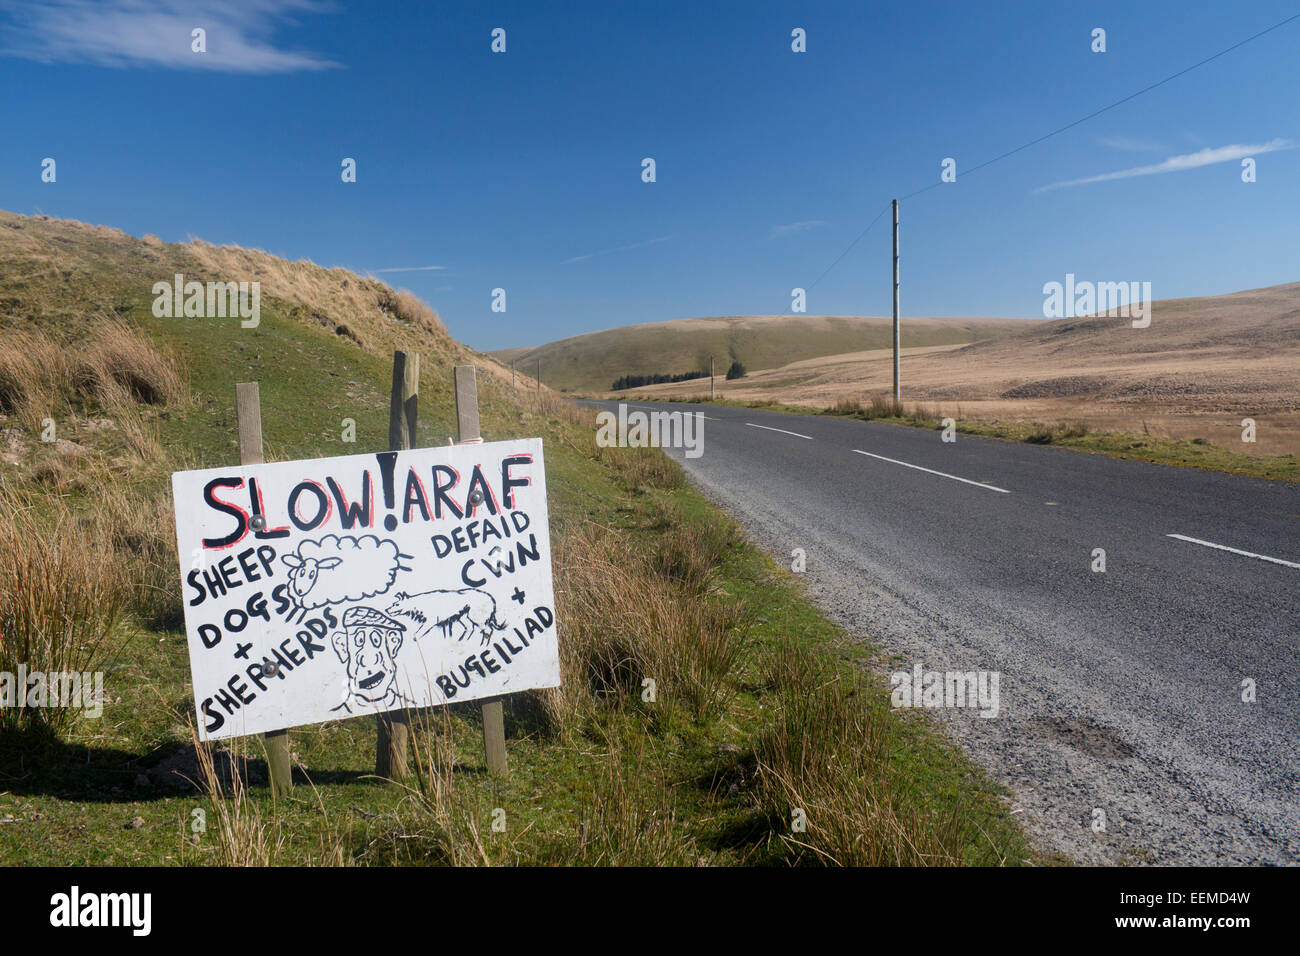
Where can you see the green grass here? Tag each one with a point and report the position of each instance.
(626, 782)
(72, 803)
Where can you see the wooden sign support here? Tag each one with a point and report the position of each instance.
(393, 730)
(248, 412)
(494, 725)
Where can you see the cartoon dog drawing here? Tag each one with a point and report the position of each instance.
(368, 646)
(455, 614)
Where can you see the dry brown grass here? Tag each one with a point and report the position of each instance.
(441, 822)
(140, 529)
(368, 312)
(629, 617)
(411, 308)
(61, 592)
(1201, 366)
(113, 367)
(243, 835)
(120, 366)
(33, 376)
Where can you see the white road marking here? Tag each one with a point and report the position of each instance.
(781, 430)
(942, 474)
(1224, 547)
(656, 408)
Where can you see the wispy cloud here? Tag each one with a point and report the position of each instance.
(1132, 145)
(1174, 164)
(411, 269)
(605, 252)
(779, 232)
(157, 33)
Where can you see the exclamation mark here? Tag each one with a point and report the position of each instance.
(387, 462)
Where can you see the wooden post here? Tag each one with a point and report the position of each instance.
(467, 428)
(898, 395)
(712, 390)
(248, 413)
(393, 729)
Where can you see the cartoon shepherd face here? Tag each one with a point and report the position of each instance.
(368, 646)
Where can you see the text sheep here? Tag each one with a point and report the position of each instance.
(338, 569)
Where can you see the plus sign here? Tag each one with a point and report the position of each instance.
(518, 596)
(241, 651)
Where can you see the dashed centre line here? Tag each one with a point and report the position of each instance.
(781, 430)
(942, 474)
(1224, 547)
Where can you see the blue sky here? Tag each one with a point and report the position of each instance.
(522, 170)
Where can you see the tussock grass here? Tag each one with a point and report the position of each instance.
(826, 761)
(629, 616)
(631, 819)
(642, 468)
(245, 834)
(411, 308)
(1040, 434)
(140, 529)
(883, 406)
(60, 594)
(441, 824)
(244, 837)
(113, 368)
(120, 367)
(32, 376)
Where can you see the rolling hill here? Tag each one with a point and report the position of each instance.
(592, 361)
(1202, 365)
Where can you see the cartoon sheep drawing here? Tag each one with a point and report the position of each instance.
(337, 569)
(302, 577)
(455, 614)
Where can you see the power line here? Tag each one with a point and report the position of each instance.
(1068, 126)
(850, 247)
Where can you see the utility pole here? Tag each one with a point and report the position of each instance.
(712, 391)
(539, 376)
(512, 374)
(898, 395)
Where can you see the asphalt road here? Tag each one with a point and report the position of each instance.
(1121, 729)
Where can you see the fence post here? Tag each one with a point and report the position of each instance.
(494, 724)
(248, 413)
(393, 729)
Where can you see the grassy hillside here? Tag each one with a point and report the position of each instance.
(763, 708)
(590, 362)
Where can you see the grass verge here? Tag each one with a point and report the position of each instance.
(1193, 453)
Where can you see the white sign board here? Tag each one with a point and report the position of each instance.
(317, 590)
